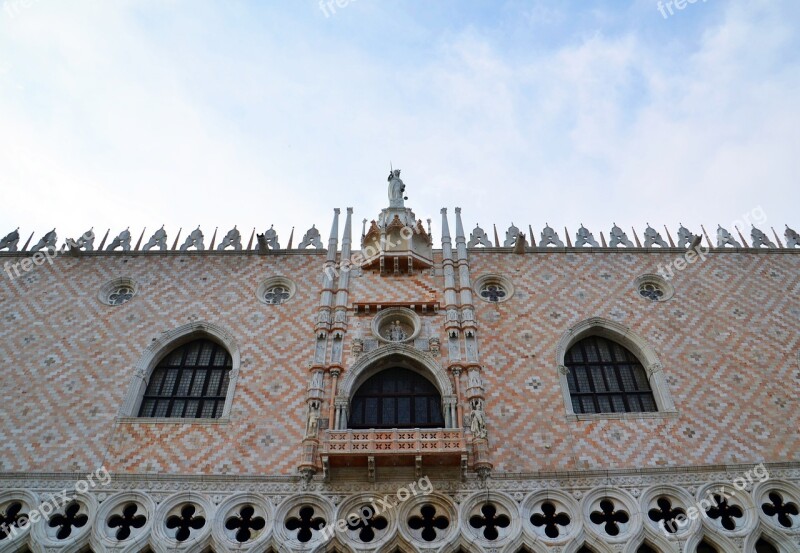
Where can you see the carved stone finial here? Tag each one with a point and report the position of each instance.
(123, 240)
(583, 237)
(549, 236)
(652, 236)
(685, 237)
(232, 238)
(10, 241)
(194, 239)
(48, 241)
(792, 238)
(724, 237)
(511, 236)
(478, 236)
(269, 240)
(618, 237)
(159, 239)
(85, 242)
(312, 238)
(761, 239)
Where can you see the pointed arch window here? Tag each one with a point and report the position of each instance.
(604, 377)
(396, 398)
(189, 382)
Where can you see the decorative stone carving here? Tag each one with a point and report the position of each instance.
(562, 369)
(268, 240)
(477, 423)
(10, 241)
(511, 236)
(396, 189)
(357, 347)
(434, 346)
(478, 237)
(475, 379)
(724, 237)
(792, 238)
(685, 237)
(316, 380)
(618, 237)
(159, 239)
(654, 368)
(652, 236)
(549, 236)
(760, 239)
(123, 240)
(311, 238)
(232, 238)
(313, 419)
(84, 242)
(194, 239)
(48, 241)
(395, 332)
(583, 237)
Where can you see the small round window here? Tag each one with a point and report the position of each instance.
(117, 292)
(493, 292)
(276, 290)
(654, 288)
(493, 288)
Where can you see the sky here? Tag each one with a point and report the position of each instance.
(185, 113)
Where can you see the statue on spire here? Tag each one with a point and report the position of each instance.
(396, 189)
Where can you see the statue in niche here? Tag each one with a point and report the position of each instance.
(159, 239)
(618, 237)
(122, 240)
(511, 236)
(48, 241)
(652, 236)
(685, 237)
(477, 420)
(194, 239)
(724, 237)
(760, 239)
(583, 237)
(313, 419)
(316, 380)
(792, 238)
(478, 236)
(396, 189)
(85, 241)
(395, 333)
(312, 238)
(549, 236)
(233, 238)
(10, 241)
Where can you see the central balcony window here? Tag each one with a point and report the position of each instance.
(396, 398)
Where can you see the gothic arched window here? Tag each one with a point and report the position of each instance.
(604, 377)
(189, 382)
(396, 398)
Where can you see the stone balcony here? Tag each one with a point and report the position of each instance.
(393, 448)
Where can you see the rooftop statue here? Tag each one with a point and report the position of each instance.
(396, 189)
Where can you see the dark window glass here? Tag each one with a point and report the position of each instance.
(705, 547)
(604, 377)
(189, 383)
(386, 400)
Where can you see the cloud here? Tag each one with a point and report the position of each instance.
(134, 114)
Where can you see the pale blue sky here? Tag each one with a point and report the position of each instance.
(138, 113)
